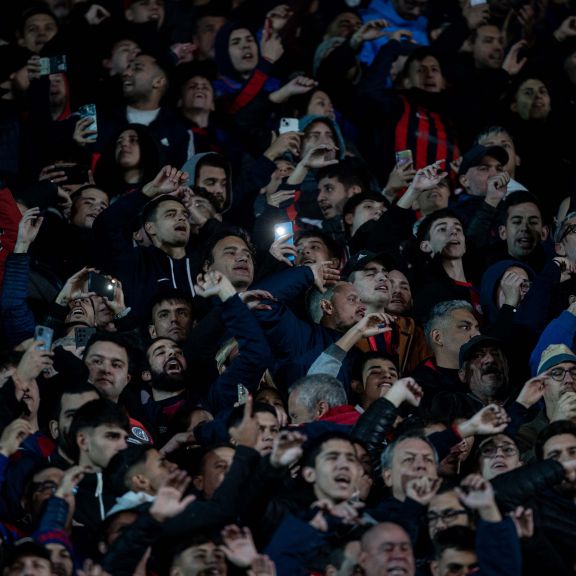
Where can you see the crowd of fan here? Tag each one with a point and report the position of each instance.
(288, 287)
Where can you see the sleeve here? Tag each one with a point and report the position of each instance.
(9, 219)
(329, 362)
(253, 359)
(498, 548)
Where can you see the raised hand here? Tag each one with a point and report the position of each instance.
(325, 274)
(75, 287)
(511, 285)
(246, 433)
(271, 47)
(320, 156)
(214, 284)
(565, 408)
(523, 519)
(282, 247)
(532, 391)
(72, 477)
(13, 435)
(491, 419)
(346, 511)
(511, 63)
(497, 188)
(83, 134)
(476, 493)
(169, 503)
(91, 569)
(28, 229)
(428, 177)
(405, 390)
(262, 566)
(287, 448)
(253, 299)
(566, 30)
(168, 180)
(374, 323)
(96, 14)
(34, 361)
(423, 489)
(238, 545)
(368, 31)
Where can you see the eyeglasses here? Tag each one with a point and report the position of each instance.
(46, 486)
(571, 229)
(447, 516)
(491, 450)
(559, 374)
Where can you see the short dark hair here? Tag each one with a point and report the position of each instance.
(150, 210)
(113, 337)
(388, 454)
(347, 172)
(37, 8)
(314, 446)
(258, 408)
(426, 224)
(418, 55)
(554, 429)
(456, 538)
(170, 294)
(72, 390)
(96, 413)
(119, 467)
(474, 33)
(208, 256)
(364, 357)
(333, 246)
(516, 198)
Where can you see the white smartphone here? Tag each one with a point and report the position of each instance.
(289, 125)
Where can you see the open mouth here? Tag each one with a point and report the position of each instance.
(181, 228)
(173, 366)
(248, 56)
(343, 481)
(242, 269)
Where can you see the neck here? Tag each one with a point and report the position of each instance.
(200, 118)
(379, 307)
(145, 105)
(33, 421)
(446, 360)
(159, 395)
(85, 461)
(454, 269)
(132, 176)
(176, 252)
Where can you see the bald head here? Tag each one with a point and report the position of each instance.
(386, 547)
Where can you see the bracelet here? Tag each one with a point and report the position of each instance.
(122, 314)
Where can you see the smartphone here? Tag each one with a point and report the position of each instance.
(289, 125)
(75, 173)
(89, 111)
(242, 394)
(100, 285)
(44, 334)
(281, 229)
(52, 65)
(477, 2)
(403, 157)
(82, 334)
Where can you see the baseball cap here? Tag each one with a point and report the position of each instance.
(25, 547)
(553, 355)
(477, 153)
(468, 348)
(362, 258)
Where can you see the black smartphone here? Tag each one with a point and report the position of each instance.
(75, 173)
(82, 334)
(100, 285)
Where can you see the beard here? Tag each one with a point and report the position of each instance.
(169, 382)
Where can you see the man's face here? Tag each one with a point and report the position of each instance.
(99, 445)
(214, 468)
(62, 564)
(336, 471)
(70, 403)
(460, 327)
(365, 211)
(171, 319)
(233, 258)
(30, 566)
(488, 49)
(157, 469)
(243, 51)
(504, 140)
(532, 101)
(524, 230)
(46, 482)
(123, 54)
(400, 293)
(118, 525)
(142, 11)
(166, 358)
(387, 550)
(555, 389)
(426, 75)
(412, 458)
(567, 245)
(378, 375)
(198, 94)
(332, 195)
(562, 448)
(205, 35)
(434, 198)
(170, 226)
(206, 559)
(446, 510)
(344, 25)
(88, 206)
(475, 181)
(524, 287)
(268, 429)
(107, 365)
(81, 310)
(347, 309)
(321, 105)
(372, 285)
(316, 134)
(38, 30)
(455, 561)
(298, 413)
(128, 150)
(446, 237)
(486, 372)
(213, 179)
(311, 250)
(58, 91)
(141, 78)
(498, 456)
